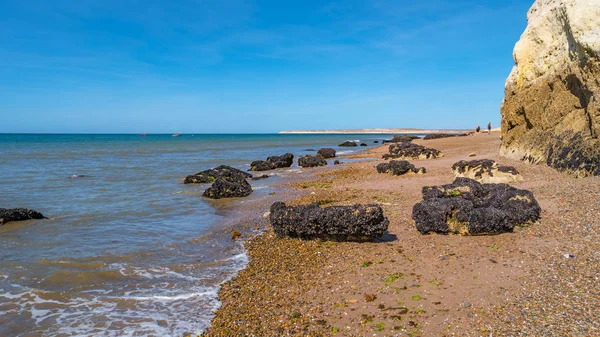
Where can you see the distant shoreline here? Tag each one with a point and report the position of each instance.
(376, 131)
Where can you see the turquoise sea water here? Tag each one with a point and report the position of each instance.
(128, 249)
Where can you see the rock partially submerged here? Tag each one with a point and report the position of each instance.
(467, 207)
(311, 161)
(443, 135)
(411, 151)
(232, 186)
(273, 162)
(18, 214)
(358, 222)
(399, 167)
(336, 162)
(363, 144)
(211, 175)
(486, 171)
(348, 143)
(326, 153)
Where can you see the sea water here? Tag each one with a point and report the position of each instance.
(127, 249)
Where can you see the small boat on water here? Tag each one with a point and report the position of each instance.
(142, 134)
(176, 134)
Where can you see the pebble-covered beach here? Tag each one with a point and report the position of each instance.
(540, 280)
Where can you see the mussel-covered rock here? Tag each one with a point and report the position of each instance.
(411, 151)
(376, 142)
(233, 186)
(363, 144)
(348, 143)
(399, 167)
(311, 161)
(468, 207)
(336, 162)
(18, 214)
(273, 162)
(358, 222)
(486, 171)
(211, 175)
(401, 138)
(326, 153)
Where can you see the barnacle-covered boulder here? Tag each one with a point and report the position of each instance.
(18, 214)
(399, 167)
(402, 139)
(326, 153)
(211, 175)
(467, 207)
(273, 162)
(232, 186)
(486, 171)
(348, 223)
(311, 161)
(411, 151)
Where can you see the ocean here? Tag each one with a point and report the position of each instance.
(127, 249)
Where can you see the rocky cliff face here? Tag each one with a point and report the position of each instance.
(551, 109)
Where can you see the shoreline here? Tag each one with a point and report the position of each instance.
(450, 285)
(379, 131)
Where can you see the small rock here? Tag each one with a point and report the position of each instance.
(472, 154)
(235, 235)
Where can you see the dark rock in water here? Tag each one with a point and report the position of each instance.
(363, 144)
(210, 176)
(401, 138)
(264, 176)
(399, 167)
(376, 142)
(281, 161)
(18, 214)
(348, 143)
(261, 165)
(233, 186)
(310, 150)
(358, 222)
(443, 135)
(311, 161)
(467, 207)
(385, 141)
(273, 162)
(486, 171)
(411, 151)
(326, 153)
(336, 162)
(77, 176)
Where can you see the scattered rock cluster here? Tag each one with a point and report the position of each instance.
(399, 167)
(411, 151)
(443, 135)
(273, 162)
(311, 161)
(228, 182)
(326, 153)
(18, 214)
(486, 171)
(402, 138)
(467, 207)
(355, 223)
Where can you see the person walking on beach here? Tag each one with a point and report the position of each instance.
(478, 128)
(489, 128)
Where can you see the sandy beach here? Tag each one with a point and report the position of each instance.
(408, 284)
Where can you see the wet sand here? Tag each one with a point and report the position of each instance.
(408, 284)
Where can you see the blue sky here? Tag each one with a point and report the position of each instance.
(253, 66)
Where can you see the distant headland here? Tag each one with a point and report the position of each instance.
(376, 131)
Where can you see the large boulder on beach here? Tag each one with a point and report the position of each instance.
(311, 161)
(273, 162)
(358, 222)
(551, 108)
(233, 186)
(401, 138)
(467, 207)
(486, 171)
(18, 214)
(348, 143)
(211, 175)
(411, 151)
(326, 153)
(399, 167)
(443, 135)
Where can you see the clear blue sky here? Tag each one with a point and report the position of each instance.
(253, 66)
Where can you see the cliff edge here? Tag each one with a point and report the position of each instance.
(551, 108)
